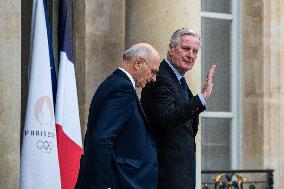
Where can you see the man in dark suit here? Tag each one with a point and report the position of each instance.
(173, 111)
(119, 150)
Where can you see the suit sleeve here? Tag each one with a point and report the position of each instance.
(112, 118)
(160, 99)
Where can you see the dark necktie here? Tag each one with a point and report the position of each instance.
(184, 87)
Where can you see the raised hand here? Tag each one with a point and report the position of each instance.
(208, 85)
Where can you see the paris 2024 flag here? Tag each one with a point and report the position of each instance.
(66, 112)
(39, 156)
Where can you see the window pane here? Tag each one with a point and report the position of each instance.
(219, 6)
(215, 143)
(216, 36)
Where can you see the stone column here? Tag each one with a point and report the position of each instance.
(79, 45)
(263, 87)
(99, 46)
(154, 22)
(10, 94)
(273, 90)
(253, 85)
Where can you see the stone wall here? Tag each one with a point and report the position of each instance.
(10, 93)
(103, 40)
(101, 32)
(263, 87)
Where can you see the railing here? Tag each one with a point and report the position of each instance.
(237, 179)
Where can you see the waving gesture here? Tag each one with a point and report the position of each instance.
(208, 85)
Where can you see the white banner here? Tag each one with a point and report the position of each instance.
(39, 156)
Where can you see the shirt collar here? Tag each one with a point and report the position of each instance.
(129, 76)
(178, 75)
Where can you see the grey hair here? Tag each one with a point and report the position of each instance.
(137, 51)
(175, 39)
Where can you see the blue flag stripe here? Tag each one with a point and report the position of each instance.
(52, 64)
(64, 31)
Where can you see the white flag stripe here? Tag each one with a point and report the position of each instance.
(67, 112)
(39, 157)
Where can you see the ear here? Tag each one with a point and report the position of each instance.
(170, 50)
(137, 62)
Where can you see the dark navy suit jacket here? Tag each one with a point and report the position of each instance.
(119, 150)
(175, 124)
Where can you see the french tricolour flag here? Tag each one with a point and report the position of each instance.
(66, 112)
(39, 157)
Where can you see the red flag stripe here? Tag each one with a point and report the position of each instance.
(69, 158)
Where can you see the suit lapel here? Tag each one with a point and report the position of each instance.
(122, 74)
(175, 79)
(165, 65)
(143, 113)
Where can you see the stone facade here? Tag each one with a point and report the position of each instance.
(101, 31)
(10, 95)
(263, 87)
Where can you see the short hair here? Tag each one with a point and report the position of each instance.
(175, 38)
(137, 51)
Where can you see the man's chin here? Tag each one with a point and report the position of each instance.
(189, 67)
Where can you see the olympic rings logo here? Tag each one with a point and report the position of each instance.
(45, 146)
